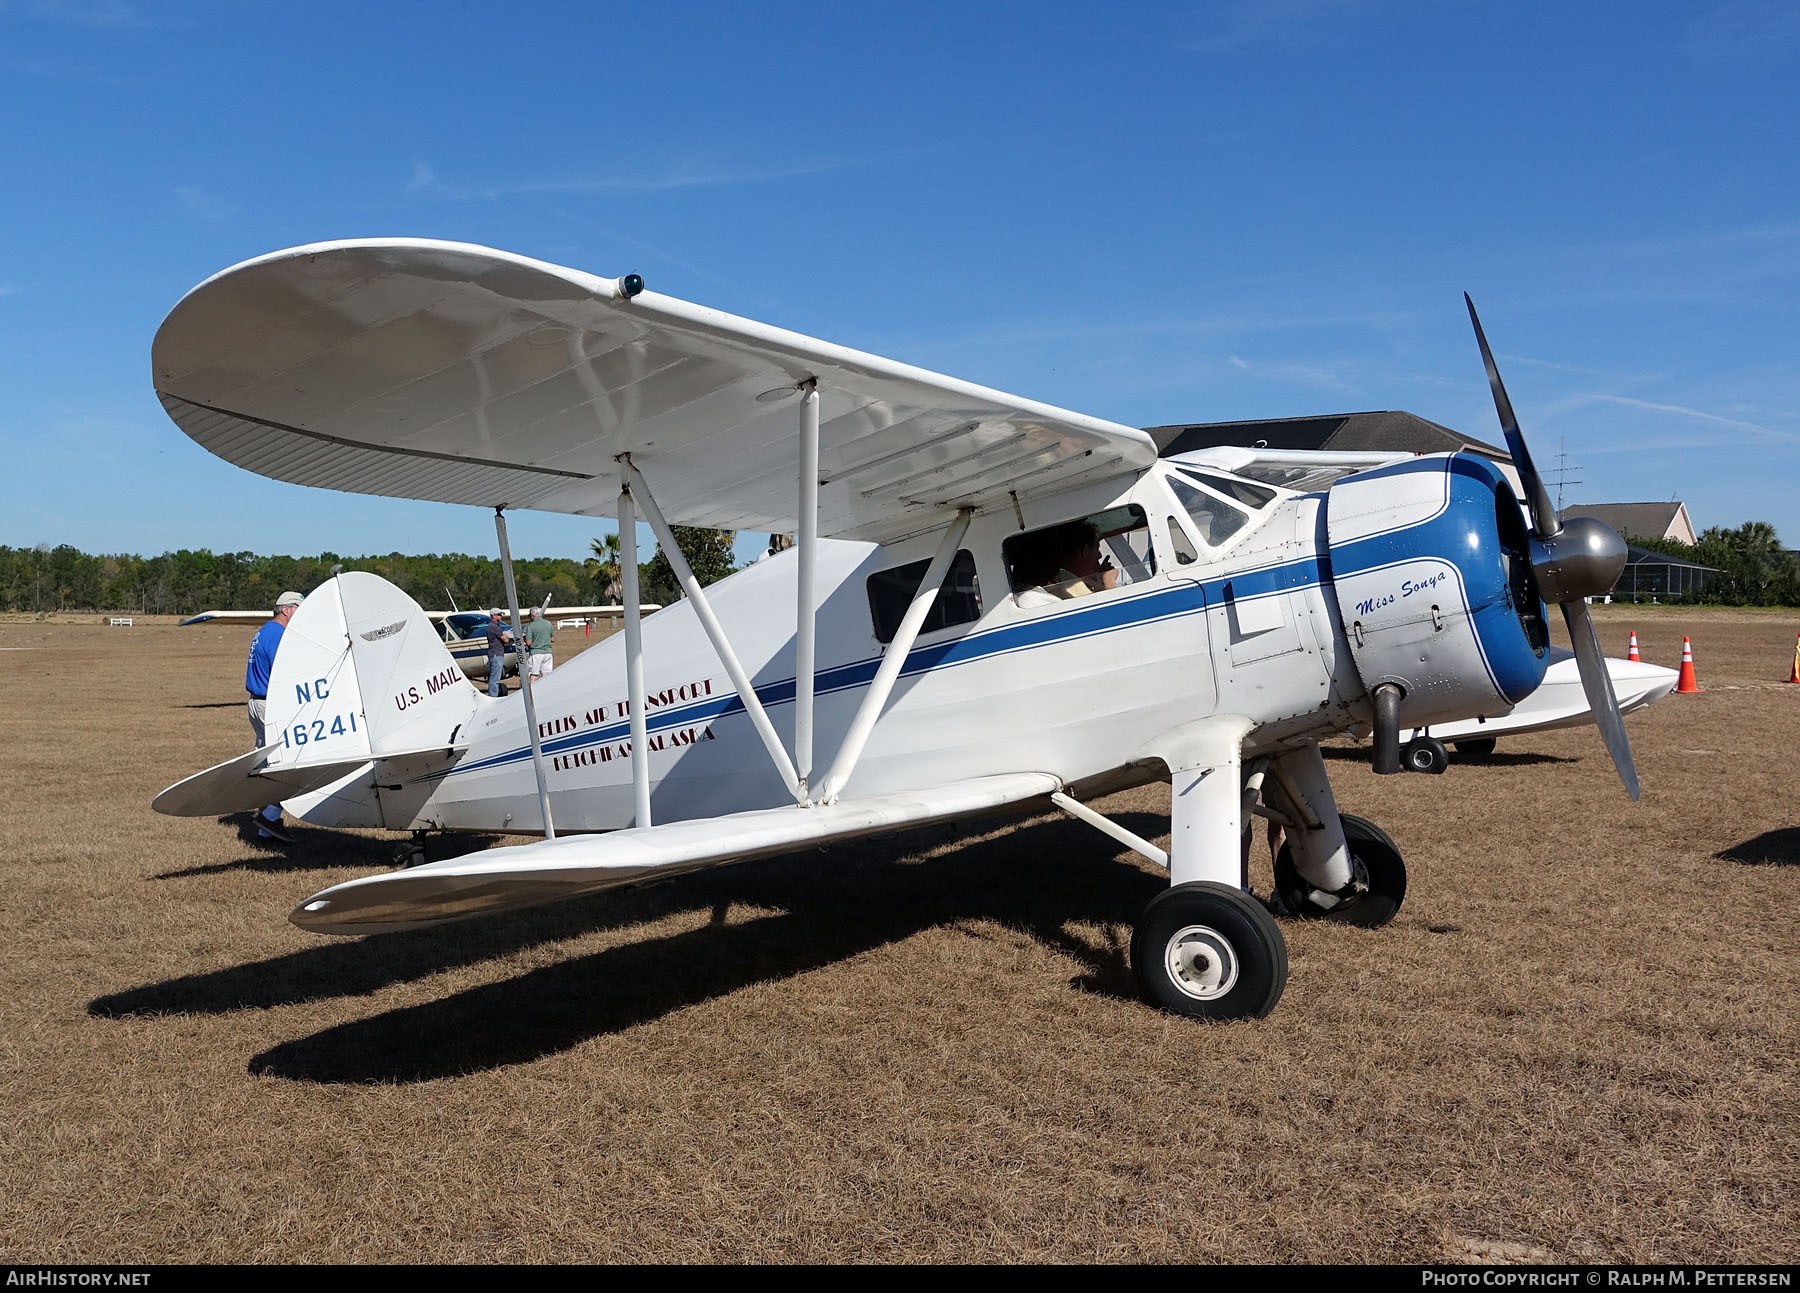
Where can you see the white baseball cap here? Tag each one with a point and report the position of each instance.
(289, 599)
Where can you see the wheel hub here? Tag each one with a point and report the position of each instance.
(1201, 962)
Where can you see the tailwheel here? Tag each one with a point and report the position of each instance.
(1424, 754)
(1377, 883)
(1209, 951)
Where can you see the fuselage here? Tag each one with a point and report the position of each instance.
(1238, 617)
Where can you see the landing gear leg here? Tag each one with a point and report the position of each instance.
(1205, 948)
(1346, 870)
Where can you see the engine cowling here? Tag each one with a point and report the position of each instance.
(1431, 568)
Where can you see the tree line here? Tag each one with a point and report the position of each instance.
(190, 580)
(1753, 569)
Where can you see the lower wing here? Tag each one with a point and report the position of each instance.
(507, 878)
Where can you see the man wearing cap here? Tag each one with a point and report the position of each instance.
(256, 682)
(498, 635)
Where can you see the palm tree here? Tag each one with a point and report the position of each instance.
(603, 568)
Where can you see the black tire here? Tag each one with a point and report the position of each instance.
(1361, 828)
(1379, 887)
(1479, 748)
(409, 855)
(1424, 754)
(1209, 951)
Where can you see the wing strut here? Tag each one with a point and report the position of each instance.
(512, 606)
(634, 659)
(715, 632)
(876, 697)
(807, 540)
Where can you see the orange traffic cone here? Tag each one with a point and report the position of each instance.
(1794, 673)
(1686, 685)
(1632, 653)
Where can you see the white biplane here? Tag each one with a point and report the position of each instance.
(992, 604)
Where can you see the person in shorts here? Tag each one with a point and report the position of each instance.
(538, 634)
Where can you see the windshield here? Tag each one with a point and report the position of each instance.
(1215, 520)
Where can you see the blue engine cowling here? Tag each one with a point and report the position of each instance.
(1431, 569)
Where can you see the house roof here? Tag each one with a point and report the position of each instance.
(1636, 556)
(1382, 431)
(1648, 520)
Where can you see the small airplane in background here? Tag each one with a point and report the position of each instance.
(992, 604)
(463, 632)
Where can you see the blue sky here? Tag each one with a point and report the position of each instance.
(1182, 212)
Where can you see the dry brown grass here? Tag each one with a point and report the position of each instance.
(1578, 1041)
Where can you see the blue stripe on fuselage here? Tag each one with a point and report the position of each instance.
(1111, 616)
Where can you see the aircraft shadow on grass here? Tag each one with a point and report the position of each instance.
(834, 904)
(1771, 848)
(318, 849)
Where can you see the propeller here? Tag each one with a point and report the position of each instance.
(1572, 560)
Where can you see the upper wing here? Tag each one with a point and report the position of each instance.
(434, 370)
(503, 879)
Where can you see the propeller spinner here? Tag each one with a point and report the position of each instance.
(1572, 561)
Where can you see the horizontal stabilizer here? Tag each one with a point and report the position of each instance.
(247, 782)
(506, 878)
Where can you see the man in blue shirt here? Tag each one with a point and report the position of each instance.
(498, 636)
(256, 681)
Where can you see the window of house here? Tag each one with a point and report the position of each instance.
(1089, 554)
(892, 591)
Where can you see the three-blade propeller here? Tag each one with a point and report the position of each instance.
(1572, 561)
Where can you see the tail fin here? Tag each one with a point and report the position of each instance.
(362, 672)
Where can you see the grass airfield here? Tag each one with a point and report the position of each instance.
(1580, 1040)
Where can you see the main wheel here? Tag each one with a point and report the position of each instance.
(1377, 881)
(1479, 748)
(1361, 828)
(1209, 951)
(1424, 754)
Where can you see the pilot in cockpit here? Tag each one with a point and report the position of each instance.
(1071, 566)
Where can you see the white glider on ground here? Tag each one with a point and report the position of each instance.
(1559, 701)
(992, 604)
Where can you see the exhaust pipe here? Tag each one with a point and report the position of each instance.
(1387, 698)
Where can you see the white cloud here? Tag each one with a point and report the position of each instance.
(112, 14)
(204, 204)
(628, 182)
(1743, 29)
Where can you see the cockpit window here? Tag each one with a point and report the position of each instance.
(1251, 496)
(1090, 554)
(892, 591)
(1214, 519)
(1303, 478)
